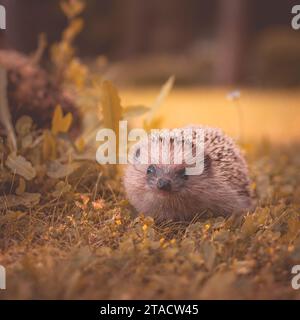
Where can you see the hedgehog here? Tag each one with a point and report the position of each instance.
(166, 192)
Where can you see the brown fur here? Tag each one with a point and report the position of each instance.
(222, 188)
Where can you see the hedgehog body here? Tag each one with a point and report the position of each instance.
(164, 191)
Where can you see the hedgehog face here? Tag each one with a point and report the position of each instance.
(163, 190)
(165, 179)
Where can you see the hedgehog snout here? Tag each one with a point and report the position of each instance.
(164, 184)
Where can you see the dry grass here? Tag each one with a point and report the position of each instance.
(81, 239)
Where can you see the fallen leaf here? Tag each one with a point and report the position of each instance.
(26, 199)
(20, 166)
(11, 216)
(56, 170)
(61, 188)
(250, 226)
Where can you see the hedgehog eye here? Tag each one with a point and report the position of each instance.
(182, 173)
(151, 169)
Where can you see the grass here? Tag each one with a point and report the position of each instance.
(81, 238)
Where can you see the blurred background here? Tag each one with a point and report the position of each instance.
(212, 47)
(208, 42)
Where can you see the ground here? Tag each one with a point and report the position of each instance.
(78, 237)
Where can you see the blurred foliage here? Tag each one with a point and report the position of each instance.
(62, 52)
(92, 93)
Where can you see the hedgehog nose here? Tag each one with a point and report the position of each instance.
(164, 184)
